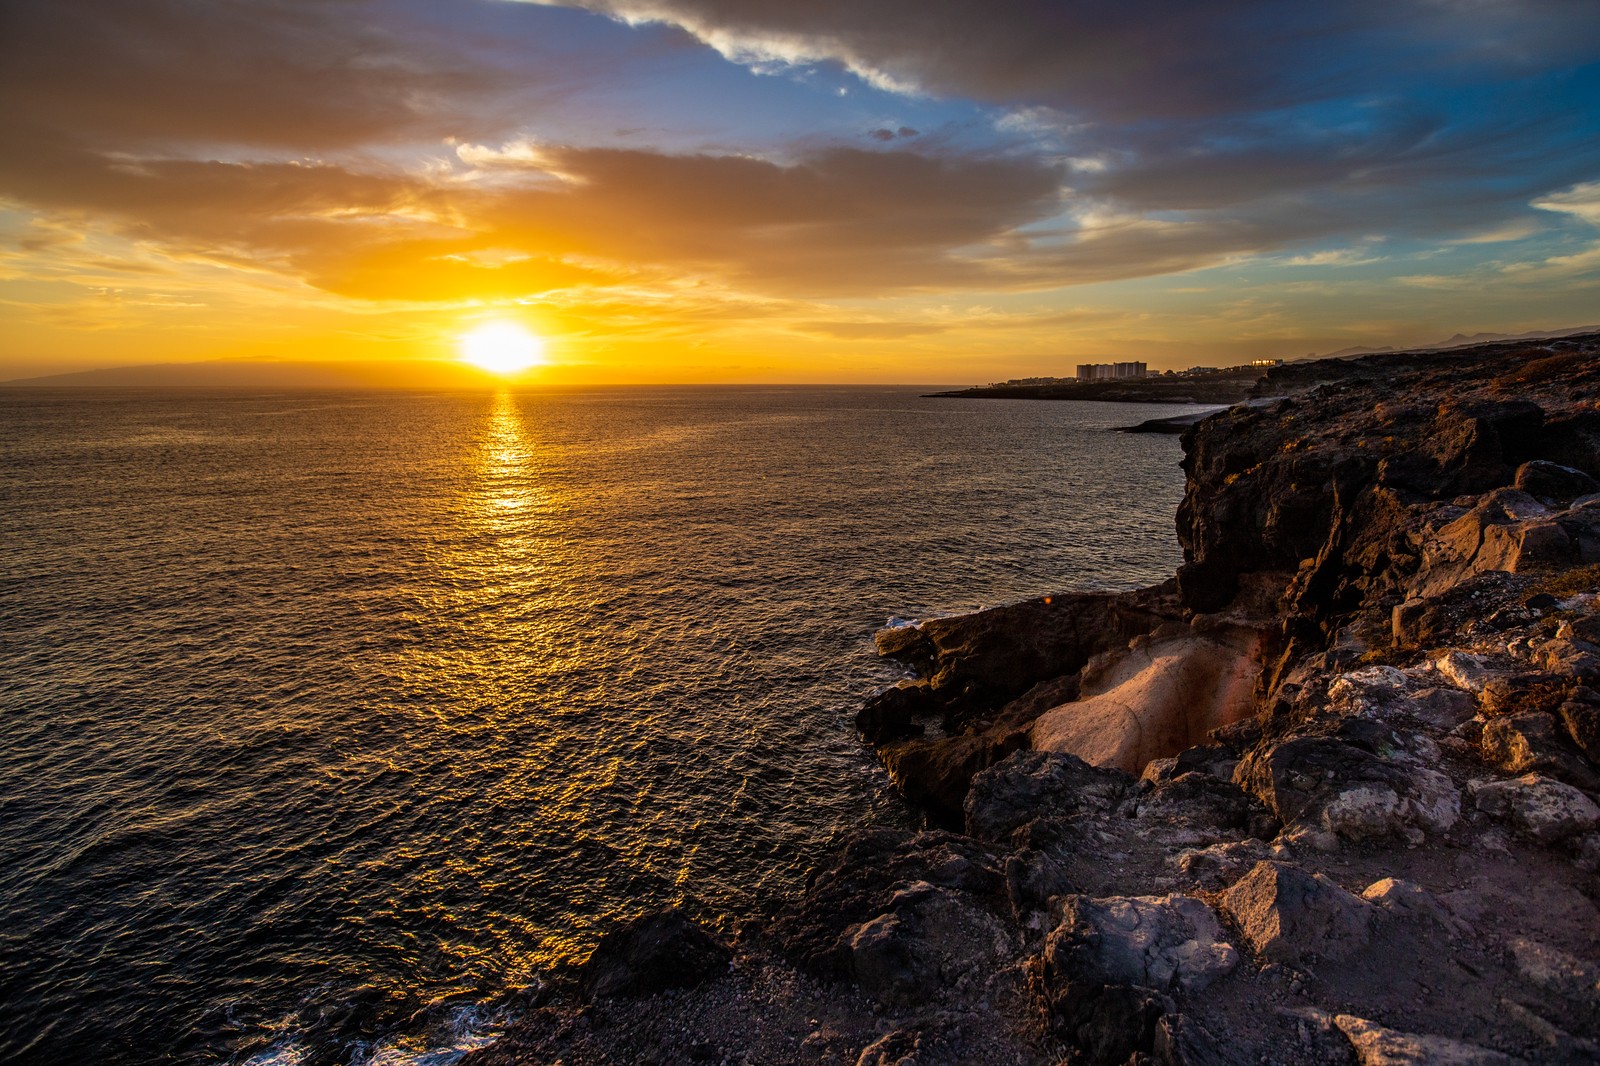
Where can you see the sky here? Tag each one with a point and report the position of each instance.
(939, 191)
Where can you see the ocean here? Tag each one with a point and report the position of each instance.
(332, 722)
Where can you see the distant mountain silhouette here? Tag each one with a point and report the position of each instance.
(421, 374)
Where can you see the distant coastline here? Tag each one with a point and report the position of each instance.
(1228, 386)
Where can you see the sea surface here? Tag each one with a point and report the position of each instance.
(331, 722)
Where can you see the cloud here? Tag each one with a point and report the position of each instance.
(303, 139)
(1581, 201)
(1132, 61)
(1336, 257)
(838, 220)
(871, 330)
(300, 74)
(1435, 116)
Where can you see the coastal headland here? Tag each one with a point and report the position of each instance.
(1228, 385)
(1328, 795)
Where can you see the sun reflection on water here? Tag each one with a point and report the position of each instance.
(504, 452)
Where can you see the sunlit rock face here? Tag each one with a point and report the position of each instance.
(1164, 694)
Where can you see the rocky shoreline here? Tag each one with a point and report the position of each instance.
(1326, 796)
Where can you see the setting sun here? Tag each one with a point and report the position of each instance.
(501, 348)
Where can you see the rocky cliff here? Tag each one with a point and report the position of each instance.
(1326, 796)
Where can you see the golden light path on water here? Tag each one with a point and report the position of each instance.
(510, 546)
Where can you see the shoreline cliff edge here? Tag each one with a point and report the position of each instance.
(1328, 795)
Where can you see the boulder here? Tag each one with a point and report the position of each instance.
(1168, 943)
(1363, 787)
(1552, 481)
(1570, 658)
(1582, 720)
(1534, 741)
(1196, 801)
(1376, 1045)
(1030, 784)
(1428, 802)
(1558, 972)
(1523, 546)
(1409, 900)
(652, 954)
(928, 940)
(1443, 708)
(1540, 807)
(1288, 915)
(1463, 670)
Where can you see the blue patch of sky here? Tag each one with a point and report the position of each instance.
(589, 80)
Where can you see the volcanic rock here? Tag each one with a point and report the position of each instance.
(929, 938)
(1168, 943)
(1378, 1046)
(651, 954)
(1539, 807)
(1521, 743)
(1288, 915)
(1552, 481)
(1018, 789)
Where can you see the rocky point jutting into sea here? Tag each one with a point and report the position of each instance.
(1328, 795)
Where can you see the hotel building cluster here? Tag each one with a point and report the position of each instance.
(1111, 371)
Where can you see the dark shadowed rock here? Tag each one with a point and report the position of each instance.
(1183, 1041)
(1168, 943)
(651, 954)
(859, 882)
(1548, 480)
(1288, 915)
(892, 714)
(935, 774)
(929, 939)
(1028, 784)
(1108, 1024)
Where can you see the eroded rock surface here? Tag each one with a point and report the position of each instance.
(1328, 796)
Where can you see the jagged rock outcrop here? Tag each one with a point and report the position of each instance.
(1328, 796)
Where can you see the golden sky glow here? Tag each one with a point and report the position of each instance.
(688, 190)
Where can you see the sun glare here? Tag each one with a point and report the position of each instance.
(501, 348)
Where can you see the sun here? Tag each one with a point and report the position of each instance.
(500, 348)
